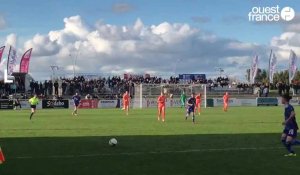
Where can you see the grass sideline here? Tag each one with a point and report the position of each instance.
(244, 140)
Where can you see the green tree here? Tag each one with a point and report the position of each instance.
(262, 76)
(282, 76)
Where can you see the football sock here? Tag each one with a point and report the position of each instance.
(288, 146)
(31, 115)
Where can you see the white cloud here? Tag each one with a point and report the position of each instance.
(287, 41)
(75, 26)
(138, 48)
(99, 44)
(11, 40)
(42, 46)
(241, 46)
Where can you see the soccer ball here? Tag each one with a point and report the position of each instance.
(113, 142)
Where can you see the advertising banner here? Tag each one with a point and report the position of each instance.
(267, 101)
(11, 61)
(292, 65)
(192, 76)
(130, 105)
(88, 104)
(6, 104)
(232, 102)
(25, 105)
(1, 52)
(24, 64)
(254, 69)
(51, 104)
(248, 102)
(174, 102)
(109, 103)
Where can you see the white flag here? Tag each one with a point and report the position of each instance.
(272, 66)
(11, 61)
(254, 68)
(292, 65)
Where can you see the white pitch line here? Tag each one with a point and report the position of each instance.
(143, 153)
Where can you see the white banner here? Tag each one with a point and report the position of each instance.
(170, 102)
(11, 62)
(173, 102)
(108, 103)
(272, 66)
(232, 102)
(292, 65)
(152, 102)
(149, 103)
(248, 102)
(254, 68)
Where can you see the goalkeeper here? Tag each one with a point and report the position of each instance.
(183, 99)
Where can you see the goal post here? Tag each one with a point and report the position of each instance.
(146, 94)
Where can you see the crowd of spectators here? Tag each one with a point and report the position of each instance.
(282, 88)
(108, 87)
(105, 87)
(218, 82)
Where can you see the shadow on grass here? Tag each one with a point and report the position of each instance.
(182, 154)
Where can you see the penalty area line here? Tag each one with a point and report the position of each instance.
(150, 152)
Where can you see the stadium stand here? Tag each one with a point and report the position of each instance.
(112, 87)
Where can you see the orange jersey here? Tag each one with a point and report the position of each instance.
(225, 98)
(161, 100)
(198, 98)
(126, 98)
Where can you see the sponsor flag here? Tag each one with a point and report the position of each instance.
(2, 158)
(254, 68)
(11, 61)
(292, 65)
(1, 52)
(24, 64)
(272, 66)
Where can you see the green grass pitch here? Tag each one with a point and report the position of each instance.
(245, 140)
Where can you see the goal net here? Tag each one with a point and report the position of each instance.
(146, 94)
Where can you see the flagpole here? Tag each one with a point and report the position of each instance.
(288, 44)
(8, 57)
(290, 57)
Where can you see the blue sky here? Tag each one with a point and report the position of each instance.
(213, 33)
(26, 18)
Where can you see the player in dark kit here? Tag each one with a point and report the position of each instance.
(289, 134)
(76, 100)
(191, 103)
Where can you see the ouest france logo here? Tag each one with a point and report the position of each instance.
(271, 14)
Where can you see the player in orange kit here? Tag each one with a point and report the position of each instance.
(161, 102)
(225, 101)
(198, 103)
(126, 102)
